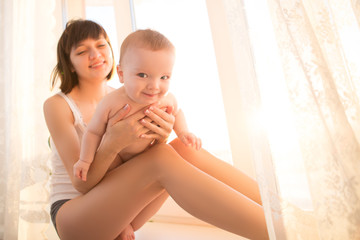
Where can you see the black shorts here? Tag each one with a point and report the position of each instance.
(54, 210)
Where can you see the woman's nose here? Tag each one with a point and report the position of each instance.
(94, 53)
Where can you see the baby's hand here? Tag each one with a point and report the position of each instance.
(190, 139)
(81, 169)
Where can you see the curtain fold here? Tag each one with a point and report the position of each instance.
(28, 48)
(307, 72)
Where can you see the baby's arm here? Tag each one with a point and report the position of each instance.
(91, 140)
(181, 129)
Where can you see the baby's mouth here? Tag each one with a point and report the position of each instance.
(151, 94)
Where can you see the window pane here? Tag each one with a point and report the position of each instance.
(195, 80)
(103, 13)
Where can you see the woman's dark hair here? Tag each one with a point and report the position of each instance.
(75, 32)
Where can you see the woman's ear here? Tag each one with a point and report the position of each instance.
(120, 73)
(72, 69)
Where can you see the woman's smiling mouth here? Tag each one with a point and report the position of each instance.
(96, 65)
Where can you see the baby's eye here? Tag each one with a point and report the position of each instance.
(165, 77)
(142, 75)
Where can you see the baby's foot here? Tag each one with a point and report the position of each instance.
(127, 234)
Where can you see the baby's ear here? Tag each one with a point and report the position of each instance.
(120, 73)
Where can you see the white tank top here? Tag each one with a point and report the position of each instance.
(60, 183)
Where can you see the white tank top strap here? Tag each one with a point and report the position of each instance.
(75, 110)
(60, 183)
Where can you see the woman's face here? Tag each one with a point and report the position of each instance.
(91, 59)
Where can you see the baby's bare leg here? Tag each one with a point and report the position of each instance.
(117, 162)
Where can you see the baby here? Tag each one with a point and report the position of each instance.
(146, 62)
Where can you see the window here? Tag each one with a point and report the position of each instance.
(103, 13)
(195, 83)
(195, 80)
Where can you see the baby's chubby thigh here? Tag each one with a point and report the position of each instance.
(117, 162)
(134, 149)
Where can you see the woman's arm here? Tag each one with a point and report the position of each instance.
(60, 122)
(118, 135)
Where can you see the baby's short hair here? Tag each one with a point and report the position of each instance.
(145, 38)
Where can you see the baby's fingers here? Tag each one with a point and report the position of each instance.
(80, 173)
(185, 140)
(198, 143)
(76, 170)
(77, 173)
(84, 175)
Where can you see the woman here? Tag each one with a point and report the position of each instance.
(118, 199)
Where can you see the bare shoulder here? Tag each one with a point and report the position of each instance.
(169, 99)
(55, 103)
(115, 95)
(55, 107)
(112, 102)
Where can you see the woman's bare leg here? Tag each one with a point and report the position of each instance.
(213, 166)
(149, 211)
(106, 210)
(144, 216)
(124, 192)
(219, 169)
(211, 200)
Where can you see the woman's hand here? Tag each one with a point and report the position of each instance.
(159, 122)
(106, 156)
(147, 123)
(122, 131)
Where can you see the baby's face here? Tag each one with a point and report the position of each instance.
(146, 74)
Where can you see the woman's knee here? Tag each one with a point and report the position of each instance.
(164, 155)
(187, 153)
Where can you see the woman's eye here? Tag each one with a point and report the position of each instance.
(81, 52)
(102, 45)
(165, 77)
(142, 75)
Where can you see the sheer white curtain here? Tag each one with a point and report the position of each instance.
(319, 57)
(303, 112)
(28, 54)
